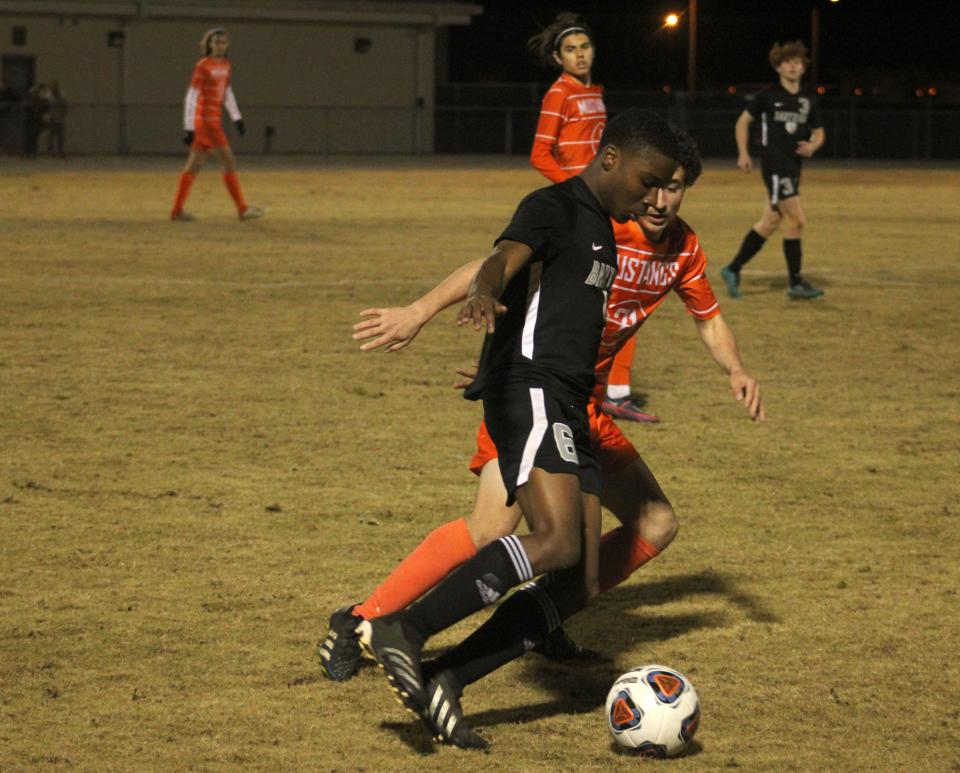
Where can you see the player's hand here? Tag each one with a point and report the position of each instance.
(393, 328)
(745, 163)
(481, 310)
(187, 138)
(468, 375)
(747, 391)
(241, 127)
(806, 149)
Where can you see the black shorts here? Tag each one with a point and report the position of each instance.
(532, 427)
(782, 178)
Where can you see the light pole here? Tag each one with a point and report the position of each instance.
(815, 45)
(692, 48)
(672, 20)
(815, 42)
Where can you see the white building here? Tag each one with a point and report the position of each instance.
(311, 76)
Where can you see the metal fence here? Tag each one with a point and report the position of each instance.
(494, 119)
(501, 118)
(157, 128)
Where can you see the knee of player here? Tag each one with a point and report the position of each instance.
(561, 549)
(660, 524)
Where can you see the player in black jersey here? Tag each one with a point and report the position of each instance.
(790, 130)
(541, 296)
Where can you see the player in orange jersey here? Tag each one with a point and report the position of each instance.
(572, 117)
(209, 93)
(657, 254)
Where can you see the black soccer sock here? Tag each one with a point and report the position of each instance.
(752, 244)
(480, 581)
(519, 623)
(793, 253)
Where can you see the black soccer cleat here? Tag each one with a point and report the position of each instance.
(340, 651)
(386, 641)
(804, 291)
(444, 716)
(557, 645)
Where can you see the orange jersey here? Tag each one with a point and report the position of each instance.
(646, 272)
(208, 94)
(572, 118)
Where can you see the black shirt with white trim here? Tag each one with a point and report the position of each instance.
(557, 303)
(785, 119)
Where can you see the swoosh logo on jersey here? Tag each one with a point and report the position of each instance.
(778, 104)
(596, 246)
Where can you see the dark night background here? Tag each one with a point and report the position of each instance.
(883, 47)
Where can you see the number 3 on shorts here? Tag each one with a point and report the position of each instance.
(565, 445)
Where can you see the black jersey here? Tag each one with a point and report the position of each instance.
(785, 119)
(556, 304)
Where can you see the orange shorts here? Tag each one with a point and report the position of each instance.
(207, 137)
(609, 444)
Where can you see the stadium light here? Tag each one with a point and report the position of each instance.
(672, 20)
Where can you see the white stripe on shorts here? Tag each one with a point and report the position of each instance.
(775, 196)
(535, 437)
(521, 564)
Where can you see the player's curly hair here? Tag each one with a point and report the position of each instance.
(688, 156)
(205, 41)
(792, 49)
(547, 42)
(635, 131)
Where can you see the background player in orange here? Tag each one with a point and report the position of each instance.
(209, 93)
(791, 129)
(572, 117)
(657, 254)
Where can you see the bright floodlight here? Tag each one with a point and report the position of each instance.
(671, 20)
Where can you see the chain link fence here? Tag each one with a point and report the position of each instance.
(501, 118)
(488, 118)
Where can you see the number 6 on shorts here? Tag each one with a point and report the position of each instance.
(565, 445)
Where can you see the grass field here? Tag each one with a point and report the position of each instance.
(198, 466)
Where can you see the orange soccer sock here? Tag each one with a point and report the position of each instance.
(622, 552)
(183, 190)
(441, 551)
(233, 185)
(622, 363)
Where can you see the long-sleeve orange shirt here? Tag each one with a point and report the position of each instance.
(209, 94)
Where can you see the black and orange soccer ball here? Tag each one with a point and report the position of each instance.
(653, 710)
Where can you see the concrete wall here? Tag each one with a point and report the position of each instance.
(303, 78)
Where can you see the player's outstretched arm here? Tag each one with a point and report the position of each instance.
(722, 345)
(482, 306)
(741, 133)
(395, 327)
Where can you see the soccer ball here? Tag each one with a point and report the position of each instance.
(654, 710)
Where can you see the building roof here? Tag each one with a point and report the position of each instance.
(437, 14)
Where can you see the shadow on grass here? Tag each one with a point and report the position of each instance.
(581, 687)
(413, 733)
(632, 599)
